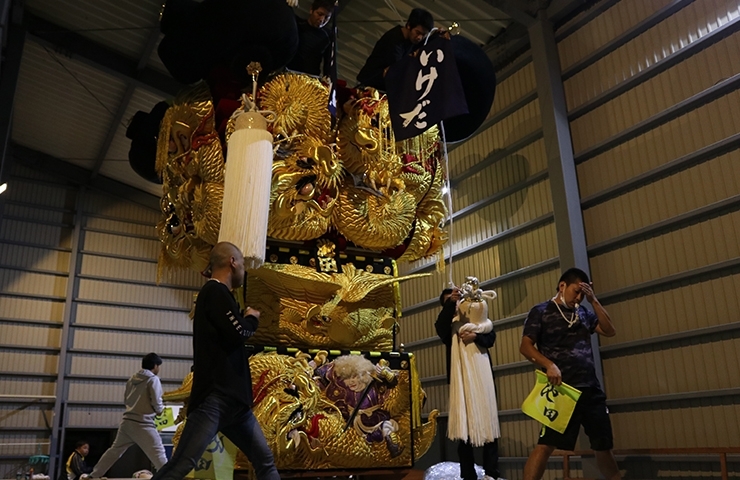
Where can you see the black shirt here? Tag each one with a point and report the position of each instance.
(220, 359)
(391, 48)
(569, 347)
(314, 45)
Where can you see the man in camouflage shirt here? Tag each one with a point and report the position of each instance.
(557, 337)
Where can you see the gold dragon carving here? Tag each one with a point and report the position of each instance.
(374, 191)
(308, 428)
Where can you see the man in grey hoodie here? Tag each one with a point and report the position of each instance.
(143, 400)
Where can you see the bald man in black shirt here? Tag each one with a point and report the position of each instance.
(221, 396)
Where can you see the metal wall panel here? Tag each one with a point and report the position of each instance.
(31, 309)
(100, 204)
(23, 414)
(32, 387)
(499, 135)
(676, 32)
(503, 257)
(123, 293)
(513, 88)
(28, 361)
(123, 26)
(133, 270)
(694, 246)
(97, 391)
(29, 335)
(438, 398)
(495, 218)
(22, 443)
(35, 234)
(685, 307)
(664, 199)
(700, 72)
(92, 417)
(134, 318)
(505, 172)
(622, 16)
(521, 434)
(131, 342)
(707, 422)
(139, 228)
(39, 193)
(120, 245)
(20, 283)
(513, 386)
(433, 359)
(420, 325)
(684, 135)
(668, 338)
(34, 258)
(705, 363)
(40, 213)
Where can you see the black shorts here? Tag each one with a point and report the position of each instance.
(591, 412)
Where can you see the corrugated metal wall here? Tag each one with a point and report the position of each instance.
(79, 308)
(652, 95)
(654, 125)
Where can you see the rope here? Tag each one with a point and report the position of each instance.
(448, 200)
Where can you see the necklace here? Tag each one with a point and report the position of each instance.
(573, 316)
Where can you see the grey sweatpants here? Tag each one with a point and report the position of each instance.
(129, 433)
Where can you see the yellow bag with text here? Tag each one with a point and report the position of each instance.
(164, 419)
(550, 405)
(217, 462)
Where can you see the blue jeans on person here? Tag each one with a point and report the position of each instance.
(467, 460)
(236, 422)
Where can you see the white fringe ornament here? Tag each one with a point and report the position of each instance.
(247, 181)
(473, 412)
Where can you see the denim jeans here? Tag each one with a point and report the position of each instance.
(236, 422)
(467, 460)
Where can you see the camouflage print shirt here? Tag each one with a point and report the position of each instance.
(569, 348)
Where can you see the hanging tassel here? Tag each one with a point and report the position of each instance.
(247, 181)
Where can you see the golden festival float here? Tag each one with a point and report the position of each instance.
(344, 201)
(329, 391)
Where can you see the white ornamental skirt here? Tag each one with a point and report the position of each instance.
(473, 412)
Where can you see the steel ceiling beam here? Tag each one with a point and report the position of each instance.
(81, 176)
(516, 13)
(562, 10)
(80, 48)
(8, 83)
(123, 104)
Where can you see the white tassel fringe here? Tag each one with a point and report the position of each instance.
(247, 181)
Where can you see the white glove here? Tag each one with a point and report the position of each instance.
(292, 3)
